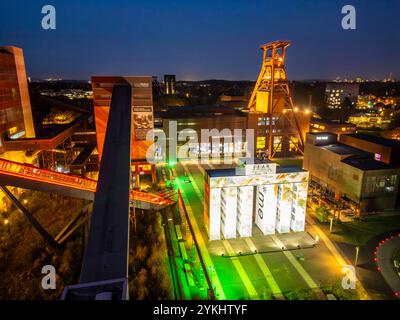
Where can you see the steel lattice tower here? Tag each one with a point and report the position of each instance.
(271, 98)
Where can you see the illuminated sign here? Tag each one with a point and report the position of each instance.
(261, 168)
(322, 138)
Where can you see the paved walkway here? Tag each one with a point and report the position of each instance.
(254, 275)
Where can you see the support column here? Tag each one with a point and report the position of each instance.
(214, 214)
(266, 199)
(245, 211)
(229, 212)
(298, 218)
(284, 208)
(45, 235)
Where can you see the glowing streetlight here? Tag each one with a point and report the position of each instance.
(7, 223)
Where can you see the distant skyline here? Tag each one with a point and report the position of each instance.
(199, 40)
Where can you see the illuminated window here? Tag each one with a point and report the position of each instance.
(141, 84)
(293, 143)
(260, 142)
(146, 167)
(277, 144)
(12, 130)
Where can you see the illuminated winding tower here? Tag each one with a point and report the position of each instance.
(276, 121)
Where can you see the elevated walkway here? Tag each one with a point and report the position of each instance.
(30, 177)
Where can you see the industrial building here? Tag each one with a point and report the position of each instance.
(169, 82)
(336, 127)
(261, 194)
(349, 171)
(336, 92)
(385, 150)
(142, 118)
(15, 109)
(197, 118)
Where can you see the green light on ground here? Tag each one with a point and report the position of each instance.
(171, 164)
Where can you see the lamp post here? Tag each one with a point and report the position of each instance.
(357, 252)
(7, 223)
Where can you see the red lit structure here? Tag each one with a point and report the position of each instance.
(32, 173)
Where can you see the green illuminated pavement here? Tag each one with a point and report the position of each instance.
(254, 276)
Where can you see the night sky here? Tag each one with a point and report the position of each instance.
(208, 39)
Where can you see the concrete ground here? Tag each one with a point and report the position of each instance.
(256, 275)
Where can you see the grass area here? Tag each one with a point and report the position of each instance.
(361, 231)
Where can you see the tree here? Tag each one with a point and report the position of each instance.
(395, 123)
(346, 109)
(322, 214)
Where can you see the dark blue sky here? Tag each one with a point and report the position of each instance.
(208, 39)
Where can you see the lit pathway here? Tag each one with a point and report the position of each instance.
(240, 270)
(332, 248)
(199, 237)
(304, 274)
(236, 262)
(264, 268)
(194, 184)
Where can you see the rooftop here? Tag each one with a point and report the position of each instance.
(375, 139)
(342, 149)
(230, 172)
(330, 122)
(204, 111)
(366, 164)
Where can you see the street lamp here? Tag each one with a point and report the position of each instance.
(331, 224)
(7, 223)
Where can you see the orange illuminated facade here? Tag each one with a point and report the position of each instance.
(16, 119)
(142, 117)
(142, 110)
(277, 123)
